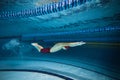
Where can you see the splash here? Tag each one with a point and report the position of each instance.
(17, 48)
(11, 44)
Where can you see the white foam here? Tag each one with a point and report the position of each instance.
(11, 44)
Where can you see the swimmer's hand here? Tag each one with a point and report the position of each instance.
(81, 43)
(77, 44)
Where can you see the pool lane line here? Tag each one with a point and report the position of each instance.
(103, 43)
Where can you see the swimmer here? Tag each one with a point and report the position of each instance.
(57, 46)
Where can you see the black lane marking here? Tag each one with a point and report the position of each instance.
(37, 71)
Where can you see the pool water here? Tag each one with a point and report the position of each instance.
(96, 22)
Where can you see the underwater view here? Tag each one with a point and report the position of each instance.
(60, 40)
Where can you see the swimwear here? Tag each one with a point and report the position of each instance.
(45, 50)
(66, 47)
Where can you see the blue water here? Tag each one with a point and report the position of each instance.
(98, 26)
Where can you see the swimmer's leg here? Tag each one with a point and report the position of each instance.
(37, 46)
